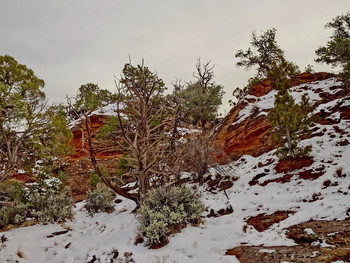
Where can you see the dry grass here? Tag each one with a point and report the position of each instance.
(334, 254)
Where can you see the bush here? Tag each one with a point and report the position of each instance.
(165, 209)
(15, 213)
(46, 206)
(99, 200)
(51, 206)
(11, 190)
(14, 208)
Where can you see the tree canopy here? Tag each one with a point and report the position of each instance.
(141, 92)
(289, 120)
(25, 121)
(337, 50)
(263, 53)
(200, 100)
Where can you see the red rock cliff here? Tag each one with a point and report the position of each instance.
(251, 135)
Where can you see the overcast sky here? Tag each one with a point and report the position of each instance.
(72, 42)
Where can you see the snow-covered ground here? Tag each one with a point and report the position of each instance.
(104, 233)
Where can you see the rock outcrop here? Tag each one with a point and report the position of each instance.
(79, 166)
(245, 130)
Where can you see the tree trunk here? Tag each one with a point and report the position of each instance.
(289, 143)
(97, 169)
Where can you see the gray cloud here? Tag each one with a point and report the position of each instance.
(71, 42)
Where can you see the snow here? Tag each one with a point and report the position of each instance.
(309, 231)
(311, 89)
(108, 110)
(102, 233)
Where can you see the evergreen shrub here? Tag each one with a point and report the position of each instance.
(99, 200)
(48, 205)
(166, 209)
(51, 206)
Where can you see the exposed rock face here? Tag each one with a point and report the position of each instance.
(332, 232)
(245, 130)
(79, 165)
(103, 149)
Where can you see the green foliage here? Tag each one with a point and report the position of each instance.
(267, 53)
(29, 130)
(90, 98)
(200, 100)
(94, 179)
(51, 206)
(11, 190)
(141, 93)
(166, 208)
(201, 104)
(22, 105)
(123, 166)
(335, 53)
(99, 200)
(309, 69)
(288, 120)
(54, 137)
(239, 93)
(337, 50)
(109, 129)
(147, 83)
(46, 203)
(15, 213)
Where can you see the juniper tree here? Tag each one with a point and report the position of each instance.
(144, 124)
(289, 120)
(263, 53)
(27, 124)
(337, 50)
(201, 99)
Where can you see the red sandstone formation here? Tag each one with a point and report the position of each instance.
(251, 136)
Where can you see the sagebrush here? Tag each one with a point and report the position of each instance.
(48, 205)
(165, 209)
(99, 200)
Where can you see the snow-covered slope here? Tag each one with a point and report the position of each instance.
(318, 191)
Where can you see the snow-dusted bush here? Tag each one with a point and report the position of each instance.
(99, 200)
(46, 206)
(13, 209)
(13, 214)
(12, 190)
(52, 206)
(165, 209)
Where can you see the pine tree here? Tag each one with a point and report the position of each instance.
(144, 134)
(265, 54)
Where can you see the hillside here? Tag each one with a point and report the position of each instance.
(290, 211)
